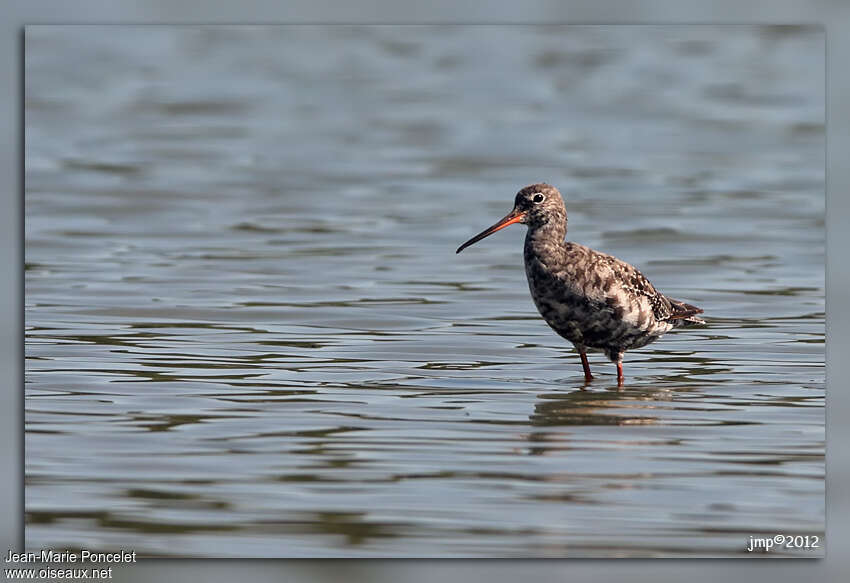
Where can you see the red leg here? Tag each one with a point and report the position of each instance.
(620, 377)
(587, 376)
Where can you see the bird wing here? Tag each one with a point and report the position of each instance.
(665, 309)
(638, 287)
(613, 279)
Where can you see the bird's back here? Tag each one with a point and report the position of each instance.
(595, 299)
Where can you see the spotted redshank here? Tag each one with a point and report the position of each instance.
(592, 299)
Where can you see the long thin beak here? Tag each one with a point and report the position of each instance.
(515, 216)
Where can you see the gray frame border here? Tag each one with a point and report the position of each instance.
(834, 16)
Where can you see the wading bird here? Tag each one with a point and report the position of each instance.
(592, 299)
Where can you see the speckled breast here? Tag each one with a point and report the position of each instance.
(595, 317)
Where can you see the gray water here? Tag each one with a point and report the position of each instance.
(247, 332)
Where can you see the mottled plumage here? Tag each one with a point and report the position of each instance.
(592, 299)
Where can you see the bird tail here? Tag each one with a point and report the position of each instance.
(684, 314)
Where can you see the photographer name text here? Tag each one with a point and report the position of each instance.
(52, 556)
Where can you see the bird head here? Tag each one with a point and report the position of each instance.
(535, 205)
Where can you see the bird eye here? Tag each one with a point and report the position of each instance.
(538, 198)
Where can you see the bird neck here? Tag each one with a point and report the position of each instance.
(546, 239)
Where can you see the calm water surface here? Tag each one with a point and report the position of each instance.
(248, 333)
